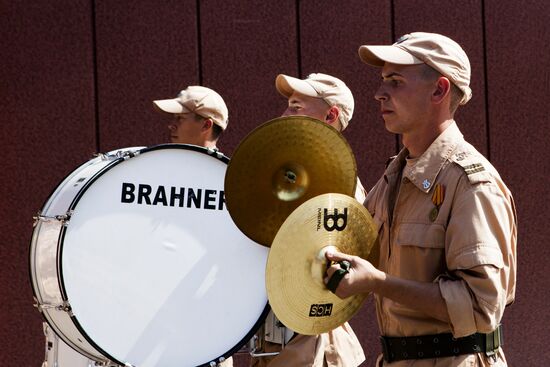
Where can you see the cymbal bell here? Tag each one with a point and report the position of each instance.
(280, 165)
(296, 263)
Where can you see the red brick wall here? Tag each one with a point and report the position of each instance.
(78, 77)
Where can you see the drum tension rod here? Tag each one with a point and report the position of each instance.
(127, 155)
(214, 363)
(65, 306)
(101, 156)
(62, 218)
(119, 154)
(215, 152)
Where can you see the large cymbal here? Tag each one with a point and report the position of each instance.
(296, 263)
(280, 165)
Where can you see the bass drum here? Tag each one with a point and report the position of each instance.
(135, 261)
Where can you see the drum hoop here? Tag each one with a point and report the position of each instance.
(45, 316)
(31, 242)
(213, 153)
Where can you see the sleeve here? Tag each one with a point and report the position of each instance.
(374, 205)
(480, 256)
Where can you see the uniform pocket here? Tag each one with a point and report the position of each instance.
(421, 235)
(418, 252)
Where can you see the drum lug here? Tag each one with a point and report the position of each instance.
(214, 363)
(215, 152)
(126, 154)
(64, 219)
(65, 306)
(117, 155)
(102, 156)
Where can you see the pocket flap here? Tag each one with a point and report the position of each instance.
(421, 235)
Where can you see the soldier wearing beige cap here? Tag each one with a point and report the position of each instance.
(327, 99)
(447, 222)
(323, 97)
(320, 96)
(199, 116)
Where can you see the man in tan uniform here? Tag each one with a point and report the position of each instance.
(327, 99)
(447, 222)
(199, 116)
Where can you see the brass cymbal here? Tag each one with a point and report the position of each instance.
(280, 165)
(296, 263)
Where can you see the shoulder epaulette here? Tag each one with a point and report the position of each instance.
(474, 165)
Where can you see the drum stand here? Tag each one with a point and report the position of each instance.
(272, 331)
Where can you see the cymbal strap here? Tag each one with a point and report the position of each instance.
(338, 275)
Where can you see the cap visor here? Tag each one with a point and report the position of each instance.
(286, 85)
(170, 106)
(378, 55)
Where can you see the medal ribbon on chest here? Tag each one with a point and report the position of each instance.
(437, 198)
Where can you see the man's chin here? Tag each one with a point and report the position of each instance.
(391, 126)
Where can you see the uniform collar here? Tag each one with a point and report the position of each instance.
(425, 170)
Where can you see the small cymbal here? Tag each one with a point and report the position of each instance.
(296, 262)
(280, 165)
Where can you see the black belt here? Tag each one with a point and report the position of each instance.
(440, 345)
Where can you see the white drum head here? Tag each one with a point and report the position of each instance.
(153, 267)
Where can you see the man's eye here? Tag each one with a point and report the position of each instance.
(392, 82)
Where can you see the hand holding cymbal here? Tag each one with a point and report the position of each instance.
(296, 263)
(361, 274)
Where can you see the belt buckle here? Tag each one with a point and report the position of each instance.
(492, 342)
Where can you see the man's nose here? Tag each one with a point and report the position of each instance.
(380, 94)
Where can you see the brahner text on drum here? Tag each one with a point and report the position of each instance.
(172, 196)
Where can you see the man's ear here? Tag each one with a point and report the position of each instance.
(442, 89)
(332, 115)
(207, 124)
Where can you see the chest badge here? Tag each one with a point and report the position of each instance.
(437, 199)
(426, 184)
